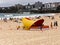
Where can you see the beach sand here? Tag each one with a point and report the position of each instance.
(9, 35)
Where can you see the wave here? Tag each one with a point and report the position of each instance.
(23, 15)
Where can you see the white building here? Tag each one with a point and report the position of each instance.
(51, 6)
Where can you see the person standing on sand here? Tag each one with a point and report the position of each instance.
(52, 17)
(5, 19)
(51, 25)
(18, 27)
(41, 27)
(56, 24)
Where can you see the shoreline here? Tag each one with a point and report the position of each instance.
(8, 16)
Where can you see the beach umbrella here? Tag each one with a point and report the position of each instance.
(28, 22)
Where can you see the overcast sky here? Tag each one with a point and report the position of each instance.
(12, 2)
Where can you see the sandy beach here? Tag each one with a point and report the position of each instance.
(9, 35)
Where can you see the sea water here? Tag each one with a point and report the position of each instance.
(18, 15)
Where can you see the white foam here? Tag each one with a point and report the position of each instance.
(22, 16)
